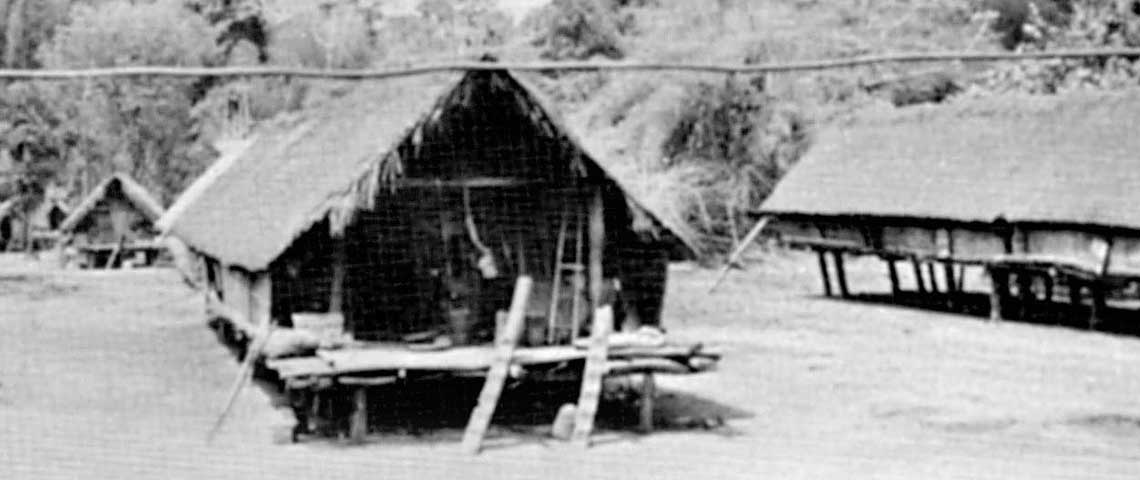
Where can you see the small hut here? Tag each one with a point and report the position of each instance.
(1037, 191)
(11, 225)
(115, 225)
(405, 211)
(41, 229)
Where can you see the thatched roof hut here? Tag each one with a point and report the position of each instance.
(1036, 185)
(119, 214)
(400, 173)
(117, 187)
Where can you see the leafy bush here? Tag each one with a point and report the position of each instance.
(1091, 25)
(578, 30)
(142, 126)
(744, 138)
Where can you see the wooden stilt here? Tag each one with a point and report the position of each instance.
(948, 272)
(920, 284)
(840, 274)
(1099, 306)
(999, 290)
(933, 277)
(961, 279)
(1075, 300)
(358, 421)
(1024, 294)
(1048, 280)
(648, 391)
(894, 274)
(823, 273)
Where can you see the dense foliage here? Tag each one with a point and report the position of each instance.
(704, 148)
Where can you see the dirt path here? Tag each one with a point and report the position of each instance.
(113, 375)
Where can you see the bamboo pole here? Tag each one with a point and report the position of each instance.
(556, 283)
(712, 68)
(597, 242)
(741, 247)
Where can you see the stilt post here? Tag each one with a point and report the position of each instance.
(919, 282)
(823, 272)
(893, 271)
(999, 290)
(840, 274)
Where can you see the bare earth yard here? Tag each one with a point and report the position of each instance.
(114, 375)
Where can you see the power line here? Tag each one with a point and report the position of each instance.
(726, 68)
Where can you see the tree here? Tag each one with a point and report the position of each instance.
(143, 126)
(27, 24)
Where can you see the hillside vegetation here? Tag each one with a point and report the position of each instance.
(702, 148)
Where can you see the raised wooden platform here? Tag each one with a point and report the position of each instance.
(381, 359)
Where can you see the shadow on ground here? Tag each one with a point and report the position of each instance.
(1114, 320)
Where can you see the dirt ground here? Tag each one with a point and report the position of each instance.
(114, 375)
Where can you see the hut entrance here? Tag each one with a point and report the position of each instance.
(445, 259)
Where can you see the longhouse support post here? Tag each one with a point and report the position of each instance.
(840, 274)
(893, 272)
(999, 290)
(823, 272)
(920, 284)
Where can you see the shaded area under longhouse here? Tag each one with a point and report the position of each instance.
(1040, 192)
(396, 221)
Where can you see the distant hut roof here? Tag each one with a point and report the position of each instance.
(133, 192)
(1057, 160)
(249, 207)
(7, 207)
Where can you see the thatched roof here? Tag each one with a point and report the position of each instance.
(324, 164)
(1057, 160)
(132, 191)
(8, 207)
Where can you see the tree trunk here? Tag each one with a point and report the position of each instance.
(14, 34)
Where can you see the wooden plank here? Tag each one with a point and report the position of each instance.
(496, 377)
(823, 273)
(648, 392)
(595, 370)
